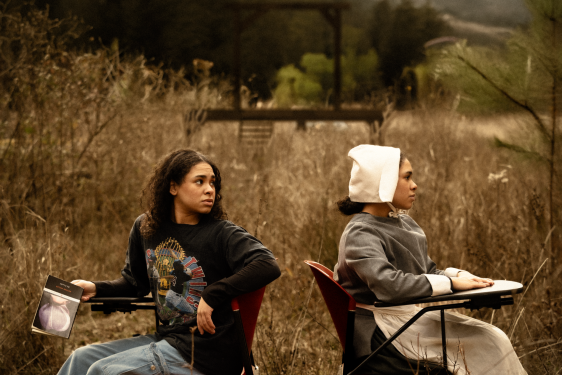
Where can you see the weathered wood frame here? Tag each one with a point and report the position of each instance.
(332, 13)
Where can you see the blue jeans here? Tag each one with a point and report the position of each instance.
(141, 355)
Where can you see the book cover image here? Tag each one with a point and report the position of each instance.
(57, 308)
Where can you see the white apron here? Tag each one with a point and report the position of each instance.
(473, 347)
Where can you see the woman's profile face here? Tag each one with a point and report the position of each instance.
(405, 193)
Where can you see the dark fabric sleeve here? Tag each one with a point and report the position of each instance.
(134, 270)
(132, 282)
(115, 288)
(252, 277)
(240, 247)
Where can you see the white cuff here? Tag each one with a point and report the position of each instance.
(452, 272)
(439, 283)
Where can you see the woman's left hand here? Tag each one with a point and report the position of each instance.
(465, 283)
(468, 275)
(89, 288)
(204, 321)
(490, 282)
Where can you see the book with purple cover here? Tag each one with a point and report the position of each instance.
(57, 308)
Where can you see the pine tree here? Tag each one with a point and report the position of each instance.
(526, 77)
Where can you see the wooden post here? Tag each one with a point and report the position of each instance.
(236, 62)
(337, 58)
(332, 13)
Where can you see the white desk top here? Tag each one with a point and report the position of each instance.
(500, 288)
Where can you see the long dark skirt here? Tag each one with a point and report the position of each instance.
(390, 360)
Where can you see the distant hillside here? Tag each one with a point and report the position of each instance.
(485, 22)
(506, 13)
(478, 33)
(478, 21)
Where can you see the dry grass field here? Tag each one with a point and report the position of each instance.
(285, 193)
(80, 133)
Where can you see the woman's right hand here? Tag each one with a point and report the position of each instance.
(464, 283)
(89, 288)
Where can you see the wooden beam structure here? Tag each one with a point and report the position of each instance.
(293, 115)
(332, 13)
(247, 13)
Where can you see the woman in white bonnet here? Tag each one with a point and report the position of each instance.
(383, 257)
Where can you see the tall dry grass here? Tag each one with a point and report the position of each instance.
(80, 133)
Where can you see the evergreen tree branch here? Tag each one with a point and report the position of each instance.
(524, 106)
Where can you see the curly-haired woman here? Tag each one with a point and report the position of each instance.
(194, 261)
(383, 257)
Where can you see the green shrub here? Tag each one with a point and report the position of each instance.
(295, 87)
(314, 83)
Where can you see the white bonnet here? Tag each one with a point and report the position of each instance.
(374, 175)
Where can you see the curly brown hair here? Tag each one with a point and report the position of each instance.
(156, 200)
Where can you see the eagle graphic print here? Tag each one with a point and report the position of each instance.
(176, 282)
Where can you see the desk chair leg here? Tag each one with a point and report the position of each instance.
(245, 352)
(443, 338)
(350, 328)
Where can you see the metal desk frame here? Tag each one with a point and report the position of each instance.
(477, 299)
(110, 305)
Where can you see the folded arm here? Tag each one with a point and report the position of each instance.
(253, 276)
(372, 262)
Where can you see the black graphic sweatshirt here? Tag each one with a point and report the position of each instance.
(215, 260)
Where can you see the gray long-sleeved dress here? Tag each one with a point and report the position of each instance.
(384, 259)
